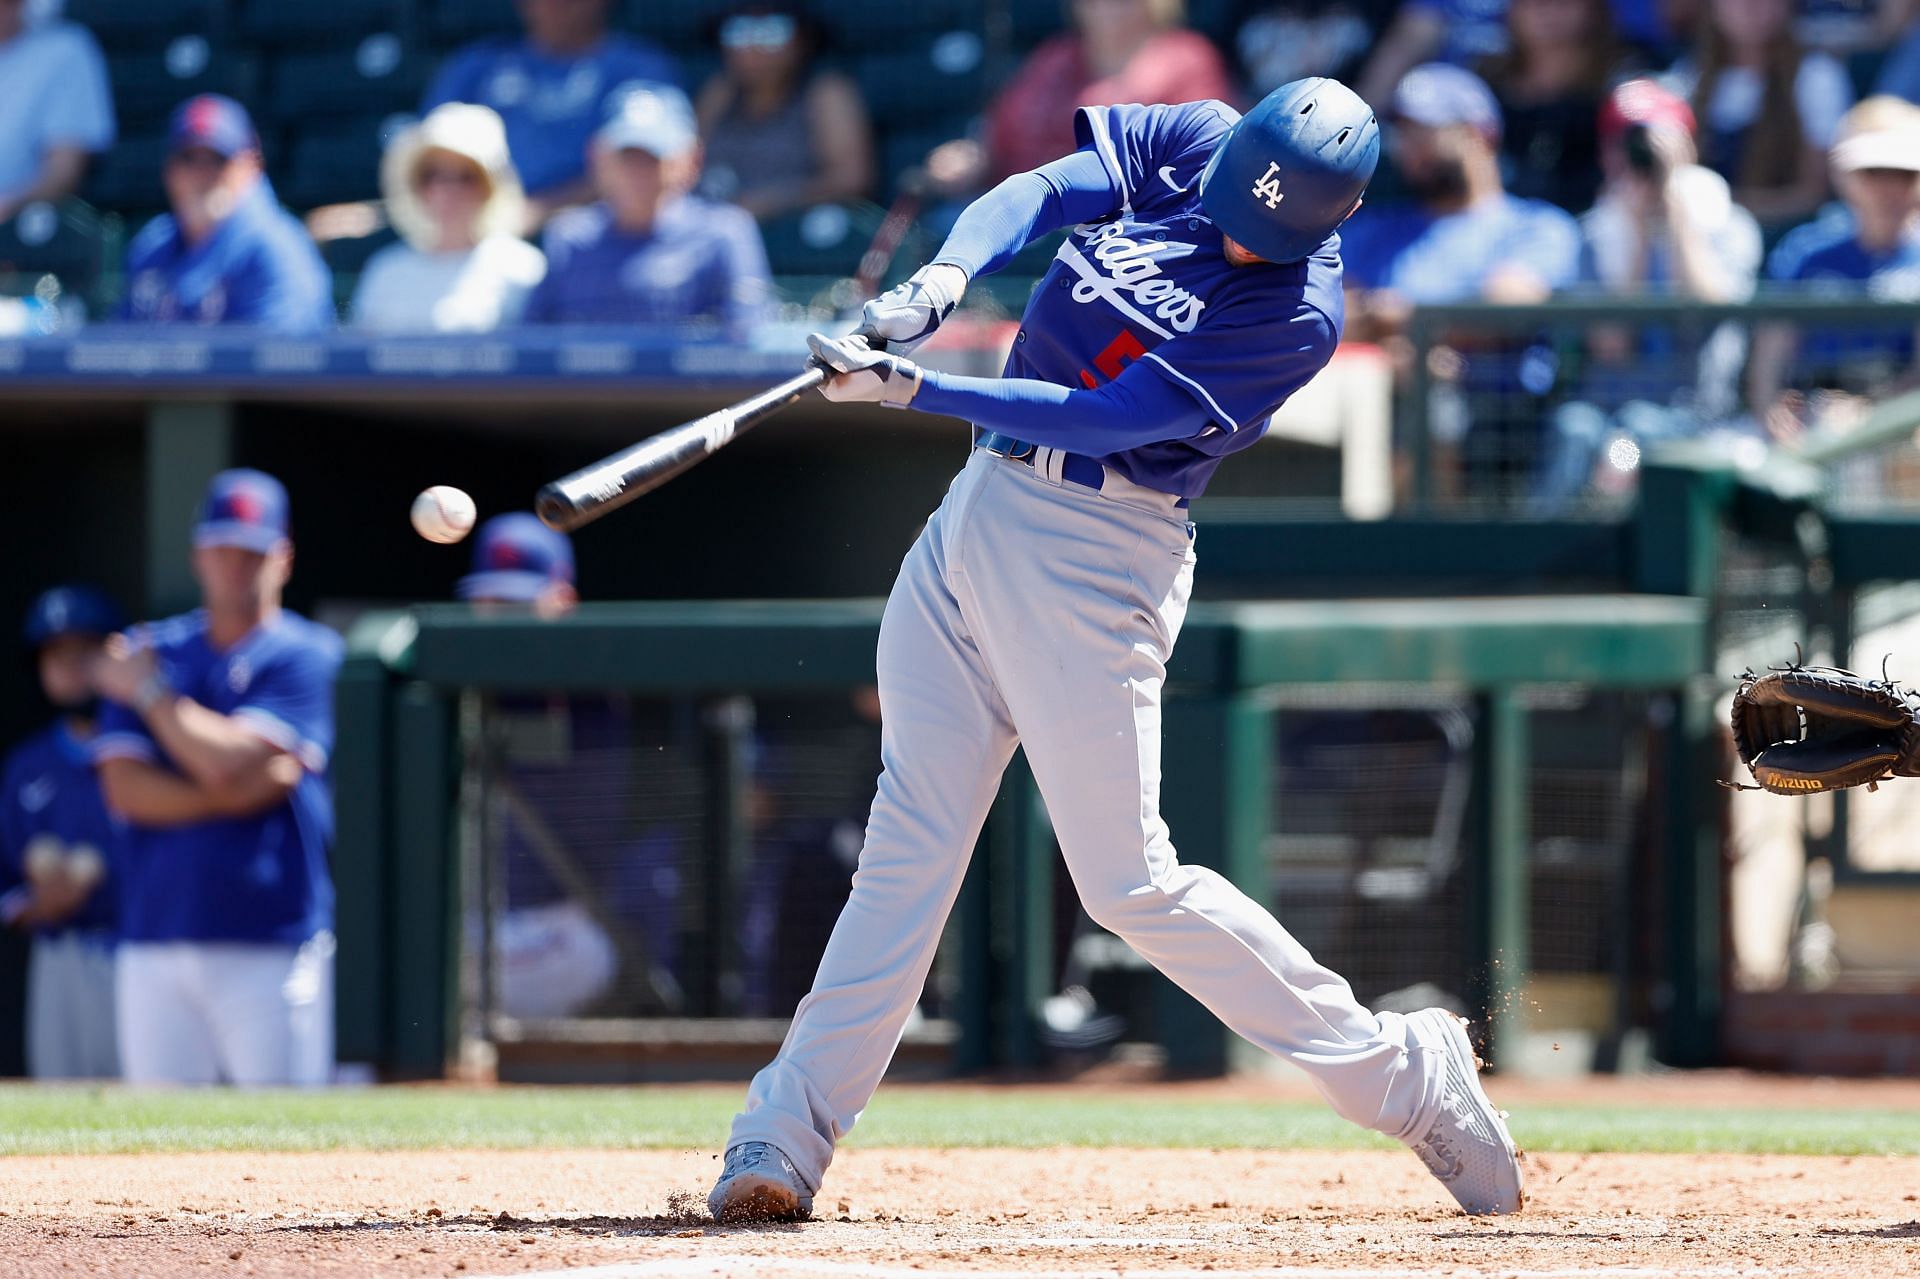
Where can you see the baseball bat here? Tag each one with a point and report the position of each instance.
(612, 482)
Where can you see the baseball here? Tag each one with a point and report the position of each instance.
(85, 866)
(44, 858)
(443, 514)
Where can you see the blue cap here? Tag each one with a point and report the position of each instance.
(72, 610)
(242, 508)
(516, 557)
(1437, 94)
(1291, 170)
(655, 118)
(213, 121)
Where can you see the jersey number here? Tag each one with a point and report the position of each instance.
(1119, 353)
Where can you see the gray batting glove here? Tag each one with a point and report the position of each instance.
(862, 374)
(907, 314)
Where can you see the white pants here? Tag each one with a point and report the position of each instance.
(1036, 611)
(70, 1010)
(259, 1016)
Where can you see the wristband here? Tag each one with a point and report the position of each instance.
(153, 689)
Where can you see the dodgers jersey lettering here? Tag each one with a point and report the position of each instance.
(250, 879)
(49, 791)
(1152, 283)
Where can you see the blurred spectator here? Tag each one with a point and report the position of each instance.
(1463, 239)
(780, 132)
(55, 108)
(650, 252)
(1870, 248)
(1461, 32)
(1551, 82)
(451, 191)
(520, 563)
(60, 852)
(227, 254)
(553, 88)
(1279, 43)
(214, 750)
(1899, 29)
(1118, 51)
(1767, 108)
(1663, 225)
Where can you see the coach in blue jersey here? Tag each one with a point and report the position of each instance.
(214, 749)
(227, 253)
(60, 850)
(1197, 289)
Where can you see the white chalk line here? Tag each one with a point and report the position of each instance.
(735, 1263)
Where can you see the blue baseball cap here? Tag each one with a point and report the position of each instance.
(1437, 94)
(516, 557)
(213, 121)
(74, 609)
(243, 508)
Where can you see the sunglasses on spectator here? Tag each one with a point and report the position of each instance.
(757, 31)
(450, 174)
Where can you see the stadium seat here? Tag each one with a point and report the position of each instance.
(903, 149)
(67, 242)
(827, 239)
(288, 24)
(455, 22)
(884, 26)
(374, 78)
(148, 84)
(680, 26)
(945, 80)
(1033, 23)
(143, 24)
(335, 162)
(347, 258)
(128, 176)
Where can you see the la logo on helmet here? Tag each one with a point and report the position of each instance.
(1268, 185)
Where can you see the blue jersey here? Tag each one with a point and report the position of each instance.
(259, 267)
(699, 261)
(48, 790)
(1825, 256)
(250, 879)
(1449, 257)
(1152, 284)
(551, 106)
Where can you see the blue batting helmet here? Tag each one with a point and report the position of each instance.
(1292, 169)
(72, 610)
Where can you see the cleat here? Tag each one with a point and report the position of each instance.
(1466, 1145)
(759, 1183)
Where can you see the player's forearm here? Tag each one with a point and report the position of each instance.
(219, 752)
(1123, 414)
(1074, 188)
(148, 795)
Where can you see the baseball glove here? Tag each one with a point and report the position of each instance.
(1803, 729)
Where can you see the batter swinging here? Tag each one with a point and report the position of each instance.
(1198, 288)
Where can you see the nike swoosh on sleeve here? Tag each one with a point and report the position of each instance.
(1166, 176)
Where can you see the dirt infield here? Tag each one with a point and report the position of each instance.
(889, 1212)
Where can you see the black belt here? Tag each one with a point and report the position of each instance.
(1083, 471)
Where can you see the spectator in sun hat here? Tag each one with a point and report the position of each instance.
(213, 747)
(60, 850)
(517, 560)
(452, 193)
(651, 252)
(56, 111)
(227, 253)
(553, 86)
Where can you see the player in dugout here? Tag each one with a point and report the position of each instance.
(1197, 289)
(214, 749)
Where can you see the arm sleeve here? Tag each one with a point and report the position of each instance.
(82, 113)
(290, 704)
(1074, 188)
(122, 735)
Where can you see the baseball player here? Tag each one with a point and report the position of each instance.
(214, 749)
(59, 848)
(1198, 288)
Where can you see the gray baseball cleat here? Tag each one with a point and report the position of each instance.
(759, 1183)
(1467, 1145)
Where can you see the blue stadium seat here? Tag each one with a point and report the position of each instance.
(142, 24)
(907, 89)
(827, 239)
(455, 22)
(1033, 23)
(882, 26)
(347, 258)
(376, 78)
(289, 24)
(677, 25)
(148, 84)
(67, 242)
(334, 162)
(903, 149)
(128, 176)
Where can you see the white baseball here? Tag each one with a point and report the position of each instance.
(44, 858)
(443, 514)
(85, 866)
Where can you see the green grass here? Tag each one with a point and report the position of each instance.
(39, 1120)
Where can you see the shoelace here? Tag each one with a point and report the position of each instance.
(746, 1156)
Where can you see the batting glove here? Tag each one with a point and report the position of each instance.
(862, 374)
(907, 314)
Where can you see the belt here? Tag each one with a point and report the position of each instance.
(1083, 471)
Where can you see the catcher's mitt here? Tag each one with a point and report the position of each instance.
(1804, 729)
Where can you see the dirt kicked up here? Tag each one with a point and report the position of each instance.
(886, 1212)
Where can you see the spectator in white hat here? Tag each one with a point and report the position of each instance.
(453, 195)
